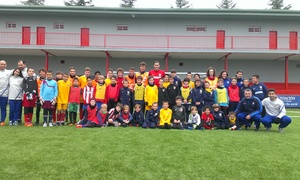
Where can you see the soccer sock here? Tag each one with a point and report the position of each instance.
(62, 118)
(70, 117)
(30, 118)
(58, 116)
(74, 117)
(26, 118)
(53, 114)
(81, 113)
(45, 115)
(50, 118)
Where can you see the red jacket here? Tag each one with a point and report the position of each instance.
(74, 96)
(92, 115)
(112, 93)
(157, 75)
(120, 82)
(234, 93)
(208, 120)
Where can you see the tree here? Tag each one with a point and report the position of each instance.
(278, 4)
(33, 2)
(127, 3)
(227, 4)
(79, 3)
(182, 4)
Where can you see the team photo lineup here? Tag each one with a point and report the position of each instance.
(147, 99)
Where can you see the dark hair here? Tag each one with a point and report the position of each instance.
(21, 60)
(89, 77)
(156, 62)
(150, 77)
(75, 79)
(240, 71)
(256, 76)
(28, 69)
(42, 70)
(189, 72)
(66, 74)
(206, 107)
(131, 68)
(72, 68)
(59, 72)
(49, 71)
(143, 64)
(197, 75)
(110, 69)
(173, 71)
(207, 72)
(186, 80)
(20, 72)
(139, 77)
(114, 76)
(167, 75)
(165, 102)
(271, 90)
(120, 70)
(220, 75)
(97, 72)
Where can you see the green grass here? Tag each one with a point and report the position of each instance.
(135, 153)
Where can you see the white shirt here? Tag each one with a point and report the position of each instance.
(15, 88)
(274, 108)
(4, 78)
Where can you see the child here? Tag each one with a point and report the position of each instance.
(30, 89)
(166, 81)
(74, 101)
(112, 93)
(112, 119)
(162, 94)
(194, 121)
(88, 94)
(178, 114)
(109, 75)
(138, 116)
(234, 95)
(191, 83)
(39, 80)
(185, 92)
(139, 93)
(208, 95)
(120, 78)
(196, 95)
(219, 117)
(100, 91)
(243, 88)
(48, 94)
(126, 94)
(173, 91)
(233, 125)
(151, 93)
(131, 78)
(83, 82)
(102, 113)
(125, 116)
(165, 115)
(221, 96)
(208, 119)
(152, 118)
(63, 98)
(15, 96)
(92, 119)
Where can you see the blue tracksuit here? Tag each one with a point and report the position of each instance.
(240, 82)
(152, 119)
(242, 91)
(259, 90)
(177, 81)
(208, 98)
(220, 119)
(252, 107)
(196, 95)
(226, 82)
(137, 118)
(126, 95)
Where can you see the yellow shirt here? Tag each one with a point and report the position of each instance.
(139, 92)
(144, 76)
(63, 91)
(191, 84)
(83, 81)
(100, 92)
(185, 92)
(107, 81)
(166, 84)
(212, 83)
(165, 116)
(151, 95)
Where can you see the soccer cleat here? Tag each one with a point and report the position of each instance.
(50, 124)
(10, 123)
(45, 125)
(29, 125)
(26, 124)
(78, 126)
(70, 124)
(2, 124)
(62, 123)
(268, 129)
(36, 123)
(280, 130)
(15, 123)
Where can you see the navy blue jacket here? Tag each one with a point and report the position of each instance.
(251, 106)
(173, 91)
(138, 117)
(240, 82)
(196, 95)
(126, 96)
(242, 91)
(259, 90)
(227, 82)
(177, 81)
(208, 98)
(152, 116)
(219, 117)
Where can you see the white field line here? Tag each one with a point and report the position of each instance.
(298, 112)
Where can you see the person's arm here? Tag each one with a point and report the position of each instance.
(258, 108)
(239, 108)
(130, 117)
(55, 91)
(99, 117)
(216, 97)
(121, 118)
(148, 117)
(282, 111)
(265, 89)
(145, 96)
(198, 120)
(24, 85)
(169, 118)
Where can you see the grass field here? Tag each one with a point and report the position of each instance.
(135, 153)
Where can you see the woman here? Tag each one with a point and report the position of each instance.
(15, 96)
(224, 75)
(211, 77)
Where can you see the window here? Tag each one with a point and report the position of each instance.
(254, 29)
(122, 27)
(58, 25)
(11, 25)
(196, 28)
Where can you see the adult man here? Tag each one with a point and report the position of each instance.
(23, 67)
(72, 76)
(157, 73)
(177, 79)
(4, 86)
(143, 73)
(249, 110)
(240, 79)
(275, 112)
(259, 89)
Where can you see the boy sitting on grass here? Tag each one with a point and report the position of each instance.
(92, 119)
(208, 119)
(233, 124)
(194, 121)
(219, 116)
(137, 117)
(125, 116)
(165, 116)
(178, 114)
(102, 114)
(112, 119)
(152, 117)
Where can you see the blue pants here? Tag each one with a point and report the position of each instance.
(99, 104)
(150, 124)
(15, 108)
(268, 120)
(3, 104)
(247, 122)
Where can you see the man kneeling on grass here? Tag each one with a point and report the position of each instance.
(275, 112)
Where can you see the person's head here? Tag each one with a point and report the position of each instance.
(151, 80)
(87, 72)
(211, 72)
(120, 72)
(194, 110)
(59, 75)
(156, 65)
(246, 82)
(207, 110)
(196, 76)
(101, 79)
(161, 82)
(113, 79)
(125, 83)
(119, 107)
(137, 107)
(189, 75)
(42, 72)
(72, 71)
(139, 80)
(96, 75)
(104, 107)
(239, 74)
(220, 82)
(17, 73)
(166, 78)
(248, 93)
(255, 79)
(89, 81)
(30, 71)
(232, 117)
(178, 100)
(65, 77)
(143, 67)
(186, 82)
(76, 81)
(234, 81)
(198, 82)
(109, 73)
(22, 64)
(206, 85)
(93, 102)
(216, 107)
(174, 72)
(131, 72)
(171, 79)
(126, 108)
(165, 104)
(223, 74)
(155, 106)
(272, 94)
(2, 65)
(49, 75)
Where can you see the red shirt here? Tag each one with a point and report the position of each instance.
(157, 74)
(92, 115)
(120, 82)
(112, 93)
(74, 96)
(208, 124)
(234, 93)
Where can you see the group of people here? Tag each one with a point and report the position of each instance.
(146, 99)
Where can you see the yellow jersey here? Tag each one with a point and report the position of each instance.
(63, 91)
(139, 92)
(151, 95)
(165, 116)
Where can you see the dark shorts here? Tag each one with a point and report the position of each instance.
(48, 105)
(29, 103)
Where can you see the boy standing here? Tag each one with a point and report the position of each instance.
(221, 96)
(162, 94)
(139, 92)
(179, 114)
(243, 88)
(165, 116)
(126, 94)
(88, 94)
(112, 93)
(63, 98)
(196, 95)
(185, 92)
(173, 92)
(74, 101)
(100, 91)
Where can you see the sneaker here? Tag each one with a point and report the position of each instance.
(280, 130)
(78, 126)
(50, 124)
(2, 124)
(36, 123)
(26, 124)
(29, 125)
(268, 129)
(15, 123)
(45, 125)
(10, 123)
(62, 123)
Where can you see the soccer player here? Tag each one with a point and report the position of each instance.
(178, 114)
(219, 117)
(139, 93)
(126, 95)
(165, 116)
(63, 87)
(243, 88)
(151, 93)
(88, 93)
(112, 93)
(131, 78)
(74, 101)
(162, 94)
(156, 73)
(112, 119)
(91, 120)
(221, 96)
(240, 79)
(125, 116)
(83, 83)
(110, 73)
(208, 119)
(194, 121)
(196, 95)
(138, 116)
(143, 74)
(39, 80)
(152, 117)
(173, 91)
(120, 78)
(208, 95)
(166, 81)
(224, 75)
(275, 112)
(177, 79)
(259, 89)
(100, 91)
(233, 94)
